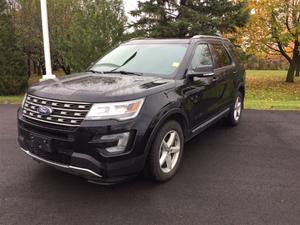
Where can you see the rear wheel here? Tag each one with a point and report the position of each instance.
(236, 111)
(166, 152)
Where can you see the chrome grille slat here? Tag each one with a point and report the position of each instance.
(68, 114)
(62, 109)
(33, 118)
(54, 100)
(56, 116)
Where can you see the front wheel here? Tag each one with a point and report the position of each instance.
(166, 152)
(236, 111)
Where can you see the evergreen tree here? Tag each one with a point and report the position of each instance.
(186, 18)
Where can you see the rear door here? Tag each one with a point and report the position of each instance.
(224, 74)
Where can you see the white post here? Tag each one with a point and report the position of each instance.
(47, 53)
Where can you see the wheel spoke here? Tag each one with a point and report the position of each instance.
(163, 158)
(175, 149)
(169, 161)
(171, 139)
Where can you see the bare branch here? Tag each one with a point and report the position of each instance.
(272, 48)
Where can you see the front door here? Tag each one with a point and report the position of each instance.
(201, 93)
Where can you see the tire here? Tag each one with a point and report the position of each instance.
(235, 115)
(166, 152)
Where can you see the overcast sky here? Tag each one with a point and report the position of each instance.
(130, 5)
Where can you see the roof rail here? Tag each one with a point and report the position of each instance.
(207, 36)
(141, 38)
(135, 38)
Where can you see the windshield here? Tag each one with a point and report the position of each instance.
(147, 59)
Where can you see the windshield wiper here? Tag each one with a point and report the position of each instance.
(127, 61)
(130, 73)
(124, 72)
(117, 67)
(121, 72)
(95, 71)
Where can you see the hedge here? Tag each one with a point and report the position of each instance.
(12, 85)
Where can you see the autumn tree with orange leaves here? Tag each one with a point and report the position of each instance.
(275, 27)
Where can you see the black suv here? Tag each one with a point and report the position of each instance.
(134, 109)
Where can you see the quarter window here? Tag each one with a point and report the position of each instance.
(202, 57)
(221, 56)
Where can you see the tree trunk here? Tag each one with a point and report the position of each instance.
(294, 64)
(44, 69)
(298, 70)
(35, 67)
(39, 71)
(28, 65)
(290, 78)
(65, 67)
(298, 67)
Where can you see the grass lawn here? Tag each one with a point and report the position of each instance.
(11, 99)
(266, 89)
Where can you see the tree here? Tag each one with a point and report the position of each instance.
(12, 62)
(29, 28)
(274, 28)
(80, 31)
(86, 31)
(186, 18)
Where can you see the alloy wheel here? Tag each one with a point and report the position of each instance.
(169, 151)
(237, 108)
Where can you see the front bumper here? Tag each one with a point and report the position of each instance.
(68, 168)
(78, 151)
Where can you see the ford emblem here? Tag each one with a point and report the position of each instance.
(45, 110)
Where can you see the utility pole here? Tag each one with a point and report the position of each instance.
(44, 14)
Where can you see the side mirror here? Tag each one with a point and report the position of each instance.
(205, 71)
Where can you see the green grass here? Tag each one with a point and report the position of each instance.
(11, 99)
(266, 89)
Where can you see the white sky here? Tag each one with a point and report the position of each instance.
(130, 5)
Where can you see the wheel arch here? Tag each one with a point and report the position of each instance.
(241, 89)
(175, 114)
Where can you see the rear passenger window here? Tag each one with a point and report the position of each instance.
(220, 55)
(202, 57)
(237, 52)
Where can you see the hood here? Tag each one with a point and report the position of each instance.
(89, 87)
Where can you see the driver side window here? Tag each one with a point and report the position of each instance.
(202, 57)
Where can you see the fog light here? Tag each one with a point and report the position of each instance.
(121, 139)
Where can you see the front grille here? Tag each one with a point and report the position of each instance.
(65, 113)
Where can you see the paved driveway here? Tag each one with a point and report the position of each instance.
(242, 176)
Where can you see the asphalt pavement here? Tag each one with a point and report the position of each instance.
(248, 175)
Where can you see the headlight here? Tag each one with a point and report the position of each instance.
(117, 110)
(24, 100)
